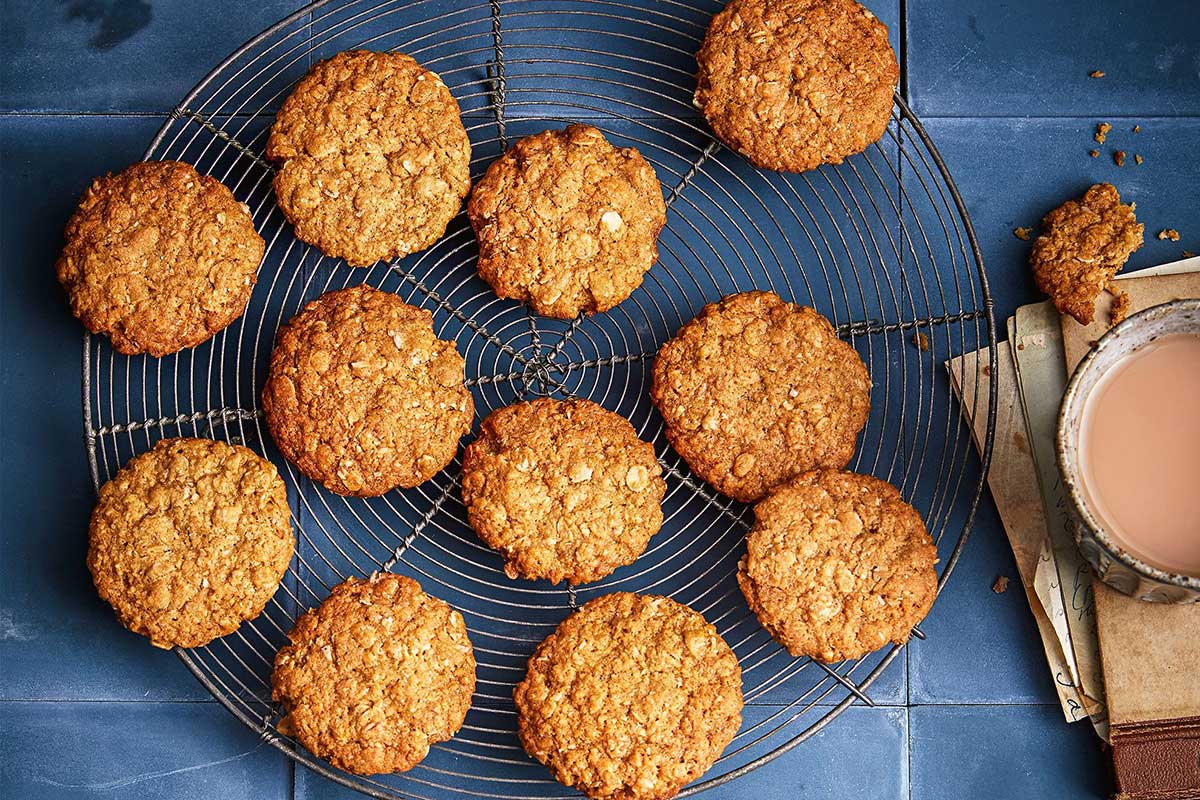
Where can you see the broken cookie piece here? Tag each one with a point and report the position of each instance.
(1083, 244)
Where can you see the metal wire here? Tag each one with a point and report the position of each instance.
(882, 245)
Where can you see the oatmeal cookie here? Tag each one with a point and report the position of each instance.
(375, 161)
(1083, 244)
(631, 698)
(362, 396)
(837, 565)
(793, 84)
(189, 540)
(159, 258)
(375, 675)
(566, 222)
(564, 489)
(755, 390)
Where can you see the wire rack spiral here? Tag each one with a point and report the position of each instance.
(880, 244)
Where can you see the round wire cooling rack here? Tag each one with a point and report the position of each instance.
(881, 245)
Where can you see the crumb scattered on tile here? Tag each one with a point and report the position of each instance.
(1022, 233)
(1094, 153)
(1101, 132)
(1119, 158)
(1120, 308)
(1138, 159)
(1096, 73)
(1137, 128)
(1000, 586)
(1169, 233)
(920, 341)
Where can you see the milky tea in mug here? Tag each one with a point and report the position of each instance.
(1139, 453)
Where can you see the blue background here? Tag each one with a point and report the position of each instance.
(88, 710)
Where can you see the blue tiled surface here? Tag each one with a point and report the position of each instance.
(968, 712)
(1002, 752)
(119, 55)
(132, 751)
(986, 58)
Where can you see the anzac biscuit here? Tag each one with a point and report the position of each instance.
(375, 161)
(159, 258)
(189, 540)
(837, 565)
(631, 698)
(755, 390)
(793, 84)
(362, 396)
(566, 222)
(375, 675)
(564, 489)
(1083, 244)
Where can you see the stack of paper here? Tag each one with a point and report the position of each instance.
(1030, 380)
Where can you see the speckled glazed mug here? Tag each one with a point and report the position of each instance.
(1113, 564)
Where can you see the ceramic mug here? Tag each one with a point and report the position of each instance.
(1112, 563)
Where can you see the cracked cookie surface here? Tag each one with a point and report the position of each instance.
(362, 396)
(159, 258)
(189, 540)
(375, 675)
(755, 390)
(837, 565)
(374, 158)
(566, 222)
(564, 489)
(1083, 244)
(793, 84)
(631, 698)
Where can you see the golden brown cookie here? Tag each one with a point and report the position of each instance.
(375, 675)
(1083, 244)
(189, 540)
(362, 396)
(566, 222)
(837, 565)
(564, 489)
(375, 159)
(631, 698)
(793, 84)
(755, 390)
(159, 258)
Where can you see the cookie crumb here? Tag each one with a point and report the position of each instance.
(1120, 307)
(1000, 586)
(1137, 128)
(1119, 158)
(1094, 153)
(1101, 132)
(1188, 254)
(1138, 159)
(1096, 73)
(920, 341)
(1169, 233)
(1022, 233)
